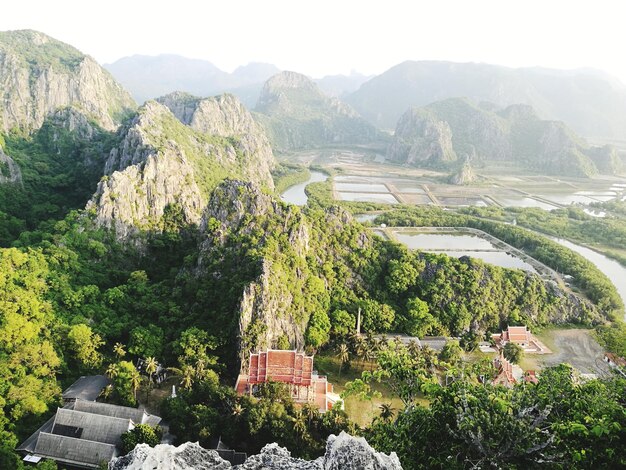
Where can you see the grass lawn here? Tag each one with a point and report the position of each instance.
(360, 411)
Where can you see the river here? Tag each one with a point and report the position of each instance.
(613, 270)
(295, 194)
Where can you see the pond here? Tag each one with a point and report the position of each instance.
(461, 245)
(525, 202)
(296, 195)
(385, 198)
(362, 187)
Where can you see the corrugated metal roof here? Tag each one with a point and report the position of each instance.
(79, 452)
(86, 388)
(94, 427)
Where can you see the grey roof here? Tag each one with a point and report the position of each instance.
(74, 451)
(86, 388)
(29, 444)
(94, 427)
(106, 409)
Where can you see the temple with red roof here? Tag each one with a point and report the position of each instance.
(292, 368)
(521, 336)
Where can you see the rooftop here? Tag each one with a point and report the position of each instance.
(86, 388)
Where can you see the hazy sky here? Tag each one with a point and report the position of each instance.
(335, 36)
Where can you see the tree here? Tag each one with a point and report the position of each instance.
(151, 365)
(344, 356)
(146, 341)
(84, 343)
(140, 434)
(513, 352)
(119, 351)
(125, 383)
(386, 411)
(418, 321)
(451, 352)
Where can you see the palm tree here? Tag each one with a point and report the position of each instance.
(135, 381)
(299, 424)
(200, 368)
(186, 374)
(414, 348)
(311, 411)
(359, 349)
(370, 354)
(386, 412)
(119, 350)
(344, 356)
(151, 366)
(112, 371)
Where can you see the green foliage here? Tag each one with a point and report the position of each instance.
(42, 54)
(513, 352)
(451, 353)
(84, 344)
(146, 341)
(140, 434)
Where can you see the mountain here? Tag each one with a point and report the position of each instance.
(148, 77)
(592, 104)
(441, 131)
(340, 85)
(39, 75)
(163, 170)
(296, 114)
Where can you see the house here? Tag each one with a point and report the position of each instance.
(292, 368)
(507, 373)
(521, 336)
(614, 360)
(84, 433)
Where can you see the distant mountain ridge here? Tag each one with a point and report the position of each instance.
(455, 128)
(296, 114)
(588, 101)
(148, 77)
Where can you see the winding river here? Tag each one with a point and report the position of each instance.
(295, 194)
(613, 270)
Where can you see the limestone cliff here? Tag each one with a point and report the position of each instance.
(285, 249)
(421, 138)
(9, 170)
(39, 74)
(162, 172)
(296, 115)
(343, 452)
(514, 134)
(226, 116)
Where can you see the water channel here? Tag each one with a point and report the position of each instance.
(295, 194)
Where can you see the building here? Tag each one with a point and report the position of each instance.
(84, 433)
(521, 336)
(507, 373)
(85, 388)
(292, 368)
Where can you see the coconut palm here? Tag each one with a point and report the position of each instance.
(310, 411)
(112, 371)
(151, 366)
(186, 375)
(135, 381)
(119, 350)
(414, 348)
(386, 412)
(344, 356)
(299, 424)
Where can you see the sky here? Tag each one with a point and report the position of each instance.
(325, 37)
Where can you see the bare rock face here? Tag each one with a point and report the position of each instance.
(421, 138)
(187, 456)
(226, 116)
(465, 175)
(39, 74)
(9, 171)
(343, 452)
(163, 167)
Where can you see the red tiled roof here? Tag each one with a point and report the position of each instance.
(518, 333)
(617, 360)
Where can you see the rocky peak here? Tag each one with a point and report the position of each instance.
(421, 137)
(39, 74)
(343, 452)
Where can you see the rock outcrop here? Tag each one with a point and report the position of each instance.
(343, 452)
(9, 170)
(297, 115)
(163, 171)
(421, 138)
(226, 116)
(465, 175)
(441, 130)
(39, 74)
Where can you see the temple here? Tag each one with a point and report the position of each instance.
(292, 368)
(521, 336)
